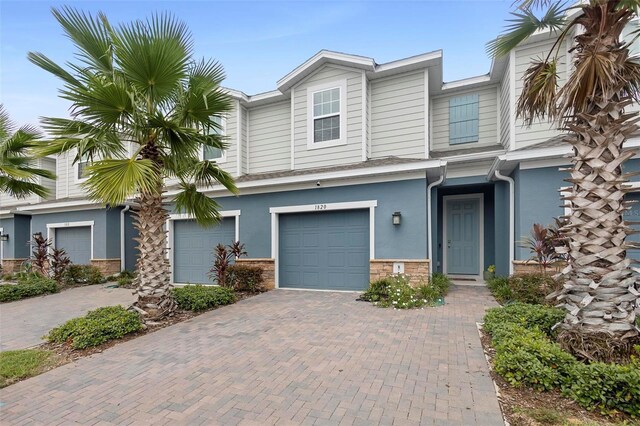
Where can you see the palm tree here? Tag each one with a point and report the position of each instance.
(142, 110)
(18, 177)
(600, 294)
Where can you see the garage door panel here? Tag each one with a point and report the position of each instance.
(334, 254)
(194, 246)
(76, 242)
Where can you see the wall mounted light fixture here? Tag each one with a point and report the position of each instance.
(4, 237)
(396, 218)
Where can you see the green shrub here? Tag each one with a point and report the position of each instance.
(82, 274)
(529, 358)
(525, 315)
(245, 278)
(29, 285)
(97, 327)
(607, 387)
(440, 282)
(525, 288)
(7, 277)
(499, 287)
(525, 355)
(124, 281)
(199, 297)
(395, 291)
(127, 274)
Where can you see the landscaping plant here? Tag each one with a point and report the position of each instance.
(542, 245)
(601, 289)
(18, 177)
(97, 327)
(29, 285)
(40, 254)
(83, 274)
(396, 291)
(526, 288)
(526, 354)
(222, 259)
(200, 297)
(17, 365)
(59, 263)
(245, 278)
(142, 109)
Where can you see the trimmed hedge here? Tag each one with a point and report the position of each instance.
(97, 327)
(200, 297)
(28, 286)
(245, 278)
(525, 355)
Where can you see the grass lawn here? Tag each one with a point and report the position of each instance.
(18, 365)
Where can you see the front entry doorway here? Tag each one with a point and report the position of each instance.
(463, 218)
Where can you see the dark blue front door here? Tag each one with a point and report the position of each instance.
(328, 250)
(463, 236)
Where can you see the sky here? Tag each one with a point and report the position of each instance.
(257, 42)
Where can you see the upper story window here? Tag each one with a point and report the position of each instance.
(209, 152)
(326, 104)
(463, 119)
(82, 167)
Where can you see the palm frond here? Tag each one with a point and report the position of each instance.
(539, 91)
(524, 24)
(48, 65)
(204, 210)
(154, 55)
(113, 181)
(21, 188)
(6, 125)
(89, 35)
(92, 139)
(208, 173)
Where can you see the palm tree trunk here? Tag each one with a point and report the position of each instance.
(153, 281)
(600, 293)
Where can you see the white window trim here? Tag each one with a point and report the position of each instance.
(1, 246)
(51, 236)
(320, 207)
(183, 216)
(445, 200)
(223, 157)
(342, 86)
(76, 173)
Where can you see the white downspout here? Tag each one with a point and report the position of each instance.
(443, 172)
(122, 242)
(512, 217)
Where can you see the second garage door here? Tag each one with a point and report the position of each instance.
(324, 251)
(76, 242)
(193, 247)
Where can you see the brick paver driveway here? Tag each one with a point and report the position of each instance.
(285, 357)
(24, 322)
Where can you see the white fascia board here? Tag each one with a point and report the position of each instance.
(325, 207)
(466, 82)
(320, 176)
(414, 62)
(290, 79)
(63, 206)
(471, 157)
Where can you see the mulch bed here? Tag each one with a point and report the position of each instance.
(66, 354)
(516, 402)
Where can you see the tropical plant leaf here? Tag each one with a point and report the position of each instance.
(113, 181)
(21, 188)
(539, 91)
(208, 173)
(524, 24)
(205, 210)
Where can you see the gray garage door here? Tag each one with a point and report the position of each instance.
(76, 242)
(193, 248)
(328, 250)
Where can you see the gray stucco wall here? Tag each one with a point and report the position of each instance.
(18, 229)
(406, 241)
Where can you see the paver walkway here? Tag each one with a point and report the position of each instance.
(284, 357)
(24, 322)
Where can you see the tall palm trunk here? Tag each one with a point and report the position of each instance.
(600, 292)
(153, 281)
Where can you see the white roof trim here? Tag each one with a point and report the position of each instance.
(466, 82)
(320, 176)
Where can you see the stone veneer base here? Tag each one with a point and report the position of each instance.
(9, 266)
(268, 266)
(107, 266)
(416, 269)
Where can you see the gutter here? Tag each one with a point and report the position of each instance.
(443, 174)
(495, 171)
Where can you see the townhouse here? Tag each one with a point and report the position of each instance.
(349, 170)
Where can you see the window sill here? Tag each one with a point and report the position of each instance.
(326, 144)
